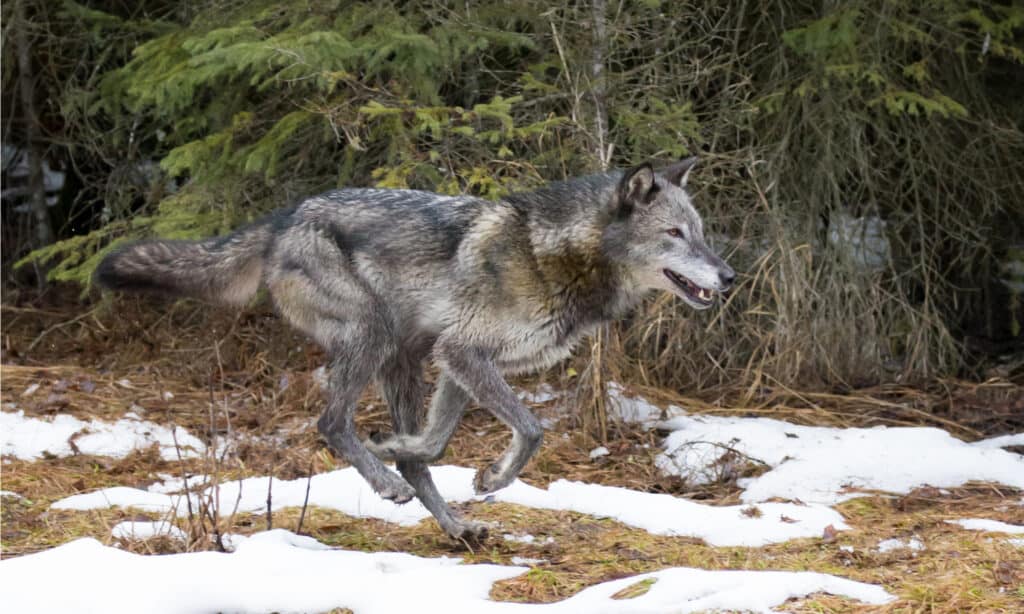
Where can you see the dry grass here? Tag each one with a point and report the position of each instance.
(232, 386)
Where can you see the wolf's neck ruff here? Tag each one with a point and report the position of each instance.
(575, 255)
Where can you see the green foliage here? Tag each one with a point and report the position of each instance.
(831, 38)
(661, 128)
(898, 102)
(844, 60)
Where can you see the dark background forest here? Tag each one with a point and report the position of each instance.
(862, 162)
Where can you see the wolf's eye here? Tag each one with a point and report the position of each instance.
(675, 232)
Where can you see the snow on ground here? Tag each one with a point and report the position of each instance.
(145, 529)
(820, 464)
(31, 438)
(637, 410)
(344, 490)
(1003, 441)
(280, 571)
(525, 560)
(664, 514)
(888, 545)
(172, 484)
(527, 539)
(542, 394)
(120, 496)
(815, 465)
(984, 524)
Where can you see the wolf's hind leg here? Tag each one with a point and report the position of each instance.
(350, 323)
(446, 409)
(402, 386)
(418, 474)
(349, 374)
(476, 372)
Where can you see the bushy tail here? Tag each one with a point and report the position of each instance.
(224, 269)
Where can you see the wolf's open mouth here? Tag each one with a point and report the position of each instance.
(701, 296)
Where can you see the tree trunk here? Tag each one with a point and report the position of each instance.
(598, 89)
(595, 415)
(26, 83)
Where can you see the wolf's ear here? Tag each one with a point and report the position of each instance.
(637, 188)
(680, 171)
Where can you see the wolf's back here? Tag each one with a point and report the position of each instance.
(223, 269)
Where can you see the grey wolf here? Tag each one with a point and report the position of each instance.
(385, 280)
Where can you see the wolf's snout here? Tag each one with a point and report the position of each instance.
(726, 278)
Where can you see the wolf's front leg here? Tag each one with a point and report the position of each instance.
(402, 386)
(446, 408)
(475, 371)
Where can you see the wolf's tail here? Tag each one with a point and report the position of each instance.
(223, 269)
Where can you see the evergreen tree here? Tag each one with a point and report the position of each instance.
(810, 116)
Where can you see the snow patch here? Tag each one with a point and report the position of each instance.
(280, 571)
(527, 561)
(171, 484)
(346, 491)
(321, 378)
(146, 529)
(912, 544)
(984, 524)
(542, 394)
(636, 410)
(30, 438)
(527, 539)
(120, 496)
(598, 452)
(1003, 441)
(821, 464)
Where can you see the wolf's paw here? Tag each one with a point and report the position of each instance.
(491, 479)
(397, 490)
(469, 531)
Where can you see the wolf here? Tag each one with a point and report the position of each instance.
(387, 280)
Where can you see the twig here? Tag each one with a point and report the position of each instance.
(722, 446)
(218, 461)
(184, 476)
(57, 326)
(305, 501)
(212, 507)
(270, 514)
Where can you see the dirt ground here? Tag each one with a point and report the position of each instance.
(244, 376)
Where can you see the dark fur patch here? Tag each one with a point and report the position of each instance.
(347, 242)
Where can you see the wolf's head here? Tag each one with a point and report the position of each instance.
(660, 236)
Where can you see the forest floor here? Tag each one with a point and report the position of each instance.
(245, 387)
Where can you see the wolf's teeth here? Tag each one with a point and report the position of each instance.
(704, 294)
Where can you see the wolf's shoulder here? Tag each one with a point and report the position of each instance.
(350, 205)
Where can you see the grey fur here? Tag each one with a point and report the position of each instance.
(385, 280)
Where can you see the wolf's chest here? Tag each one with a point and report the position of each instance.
(538, 344)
